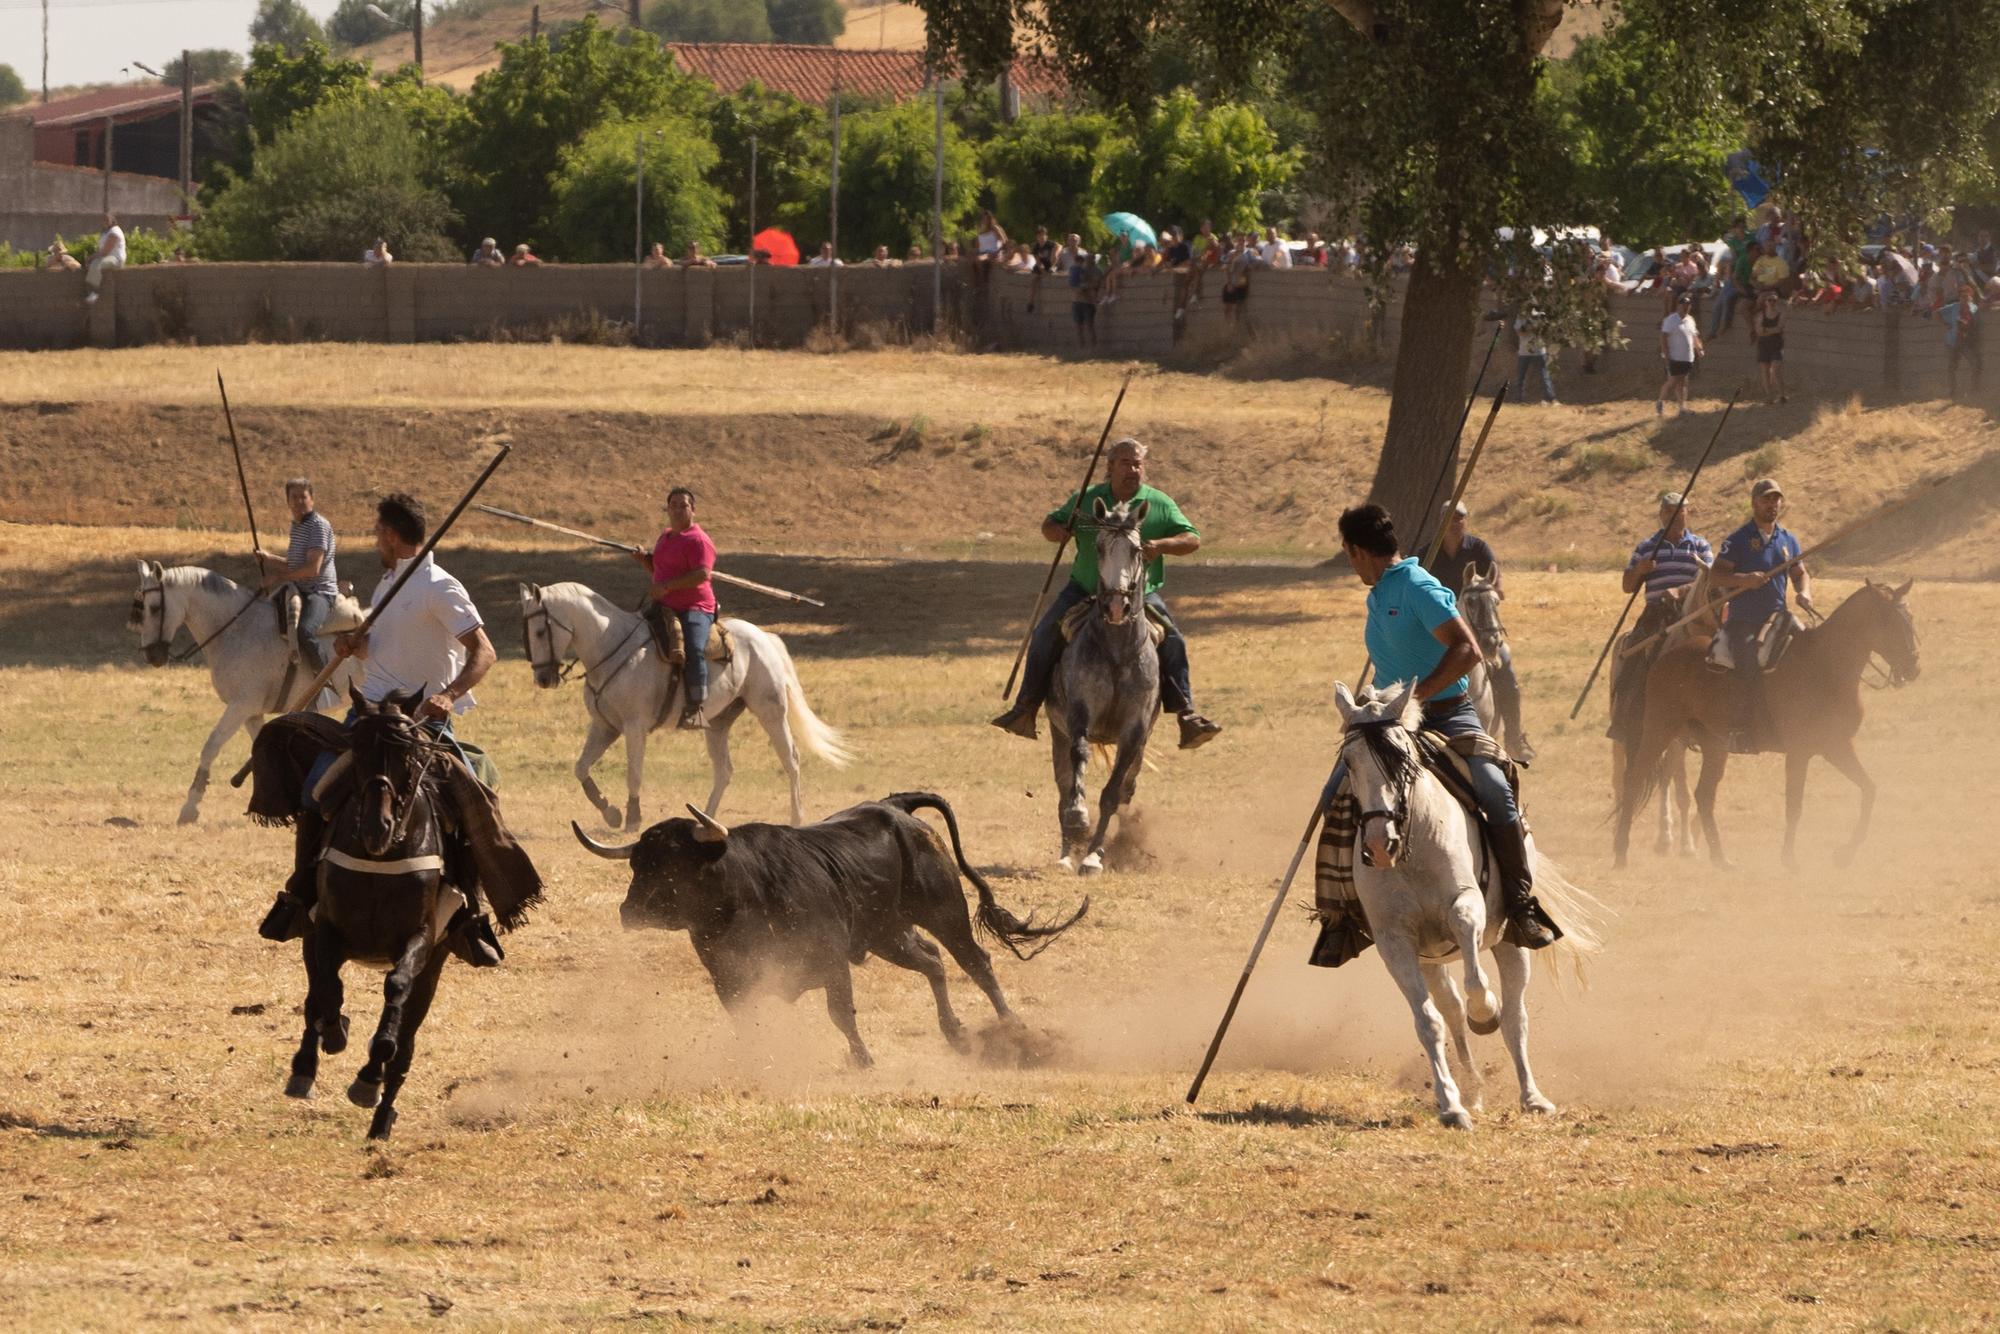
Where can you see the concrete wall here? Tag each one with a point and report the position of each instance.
(1155, 317)
(40, 199)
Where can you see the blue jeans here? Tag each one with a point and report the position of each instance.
(1046, 645)
(1535, 361)
(695, 626)
(314, 608)
(1490, 787)
(1725, 305)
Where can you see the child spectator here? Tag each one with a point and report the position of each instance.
(524, 258)
(656, 258)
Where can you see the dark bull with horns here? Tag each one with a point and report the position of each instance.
(789, 910)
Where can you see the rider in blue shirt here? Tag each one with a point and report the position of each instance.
(1745, 561)
(1415, 633)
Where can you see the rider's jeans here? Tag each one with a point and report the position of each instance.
(314, 608)
(1046, 645)
(695, 627)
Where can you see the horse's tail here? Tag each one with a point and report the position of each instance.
(1577, 911)
(815, 736)
(994, 920)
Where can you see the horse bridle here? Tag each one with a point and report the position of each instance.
(157, 651)
(568, 665)
(1132, 588)
(1397, 817)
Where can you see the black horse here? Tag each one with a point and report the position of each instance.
(386, 894)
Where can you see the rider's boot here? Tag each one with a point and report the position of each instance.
(288, 915)
(1196, 730)
(1020, 720)
(471, 934)
(1528, 923)
(691, 720)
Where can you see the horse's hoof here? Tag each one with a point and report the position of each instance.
(610, 817)
(334, 1041)
(1067, 862)
(381, 1051)
(1483, 1027)
(1618, 862)
(364, 1094)
(632, 817)
(187, 817)
(1536, 1105)
(1459, 1120)
(384, 1122)
(861, 1059)
(1091, 865)
(299, 1086)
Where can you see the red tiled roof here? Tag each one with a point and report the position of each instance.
(123, 102)
(807, 72)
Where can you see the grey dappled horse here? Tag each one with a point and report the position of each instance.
(1106, 690)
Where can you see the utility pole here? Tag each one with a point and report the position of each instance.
(534, 23)
(752, 247)
(107, 164)
(187, 133)
(633, 13)
(638, 231)
(417, 34)
(45, 52)
(833, 209)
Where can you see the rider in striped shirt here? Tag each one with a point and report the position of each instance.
(1672, 557)
(308, 562)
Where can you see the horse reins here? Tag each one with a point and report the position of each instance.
(164, 641)
(569, 665)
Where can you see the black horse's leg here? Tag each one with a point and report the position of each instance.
(323, 978)
(366, 1091)
(305, 1061)
(416, 1004)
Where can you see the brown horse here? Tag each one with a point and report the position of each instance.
(1814, 705)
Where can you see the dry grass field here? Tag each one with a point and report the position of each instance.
(1780, 1092)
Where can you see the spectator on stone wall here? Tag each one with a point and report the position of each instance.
(1044, 251)
(59, 257)
(881, 259)
(488, 255)
(990, 247)
(378, 254)
(110, 255)
(825, 259)
(916, 255)
(1242, 257)
(524, 258)
(1084, 281)
(656, 258)
(1274, 253)
(1018, 258)
(1769, 271)
(1960, 318)
(694, 259)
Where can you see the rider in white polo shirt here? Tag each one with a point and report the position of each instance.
(431, 638)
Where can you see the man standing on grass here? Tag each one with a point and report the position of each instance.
(1165, 532)
(681, 562)
(1680, 347)
(308, 563)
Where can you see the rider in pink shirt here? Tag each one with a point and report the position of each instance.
(681, 562)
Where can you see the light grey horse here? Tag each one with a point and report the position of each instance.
(1106, 690)
(236, 632)
(1479, 603)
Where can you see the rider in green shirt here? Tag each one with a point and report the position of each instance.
(1166, 532)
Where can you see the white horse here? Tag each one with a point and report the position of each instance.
(236, 632)
(1418, 881)
(625, 684)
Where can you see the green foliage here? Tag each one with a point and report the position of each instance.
(436, 115)
(1051, 170)
(540, 102)
(12, 90)
(284, 23)
(1646, 168)
(810, 22)
(594, 190)
(794, 159)
(886, 178)
(327, 184)
(1188, 162)
(709, 21)
(279, 85)
(351, 25)
(141, 247)
(211, 65)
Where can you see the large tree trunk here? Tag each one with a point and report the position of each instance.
(1427, 398)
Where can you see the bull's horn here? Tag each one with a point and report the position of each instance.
(711, 831)
(605, 851)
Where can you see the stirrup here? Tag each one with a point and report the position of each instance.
(691, 719)
(475, 942)
(1021, 722)
(1196, 731)
(286, 919)
(1530, 927)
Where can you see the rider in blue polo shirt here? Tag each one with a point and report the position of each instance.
(1745, 561)
(1415, 633)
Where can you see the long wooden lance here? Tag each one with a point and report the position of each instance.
(1457, 494)
(311, 692)
(1685, 492)
(1840, 535)
(242, 482)
(716, 575)
(1055, 561)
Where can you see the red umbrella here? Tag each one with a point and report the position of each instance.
(777, 244)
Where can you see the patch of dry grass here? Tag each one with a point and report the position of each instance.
(1777, 1089)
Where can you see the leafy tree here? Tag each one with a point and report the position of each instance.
(1052, 170)
(522, 116)
(810, 22)
(1648, 168)
(213, 64)
(351, 25)
(886, 177)
(327, 184)
(279, 85)
(709, 21)
(284, 23)
(794, 157)
(438, 118)
(12, 90)
(593, 191)
(1188, 162)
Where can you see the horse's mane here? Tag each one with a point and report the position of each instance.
(584, 593)
(185, 576)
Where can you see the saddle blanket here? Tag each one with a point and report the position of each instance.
(671, 640)
(1073, 619)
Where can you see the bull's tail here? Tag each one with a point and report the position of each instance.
(1024, 939)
